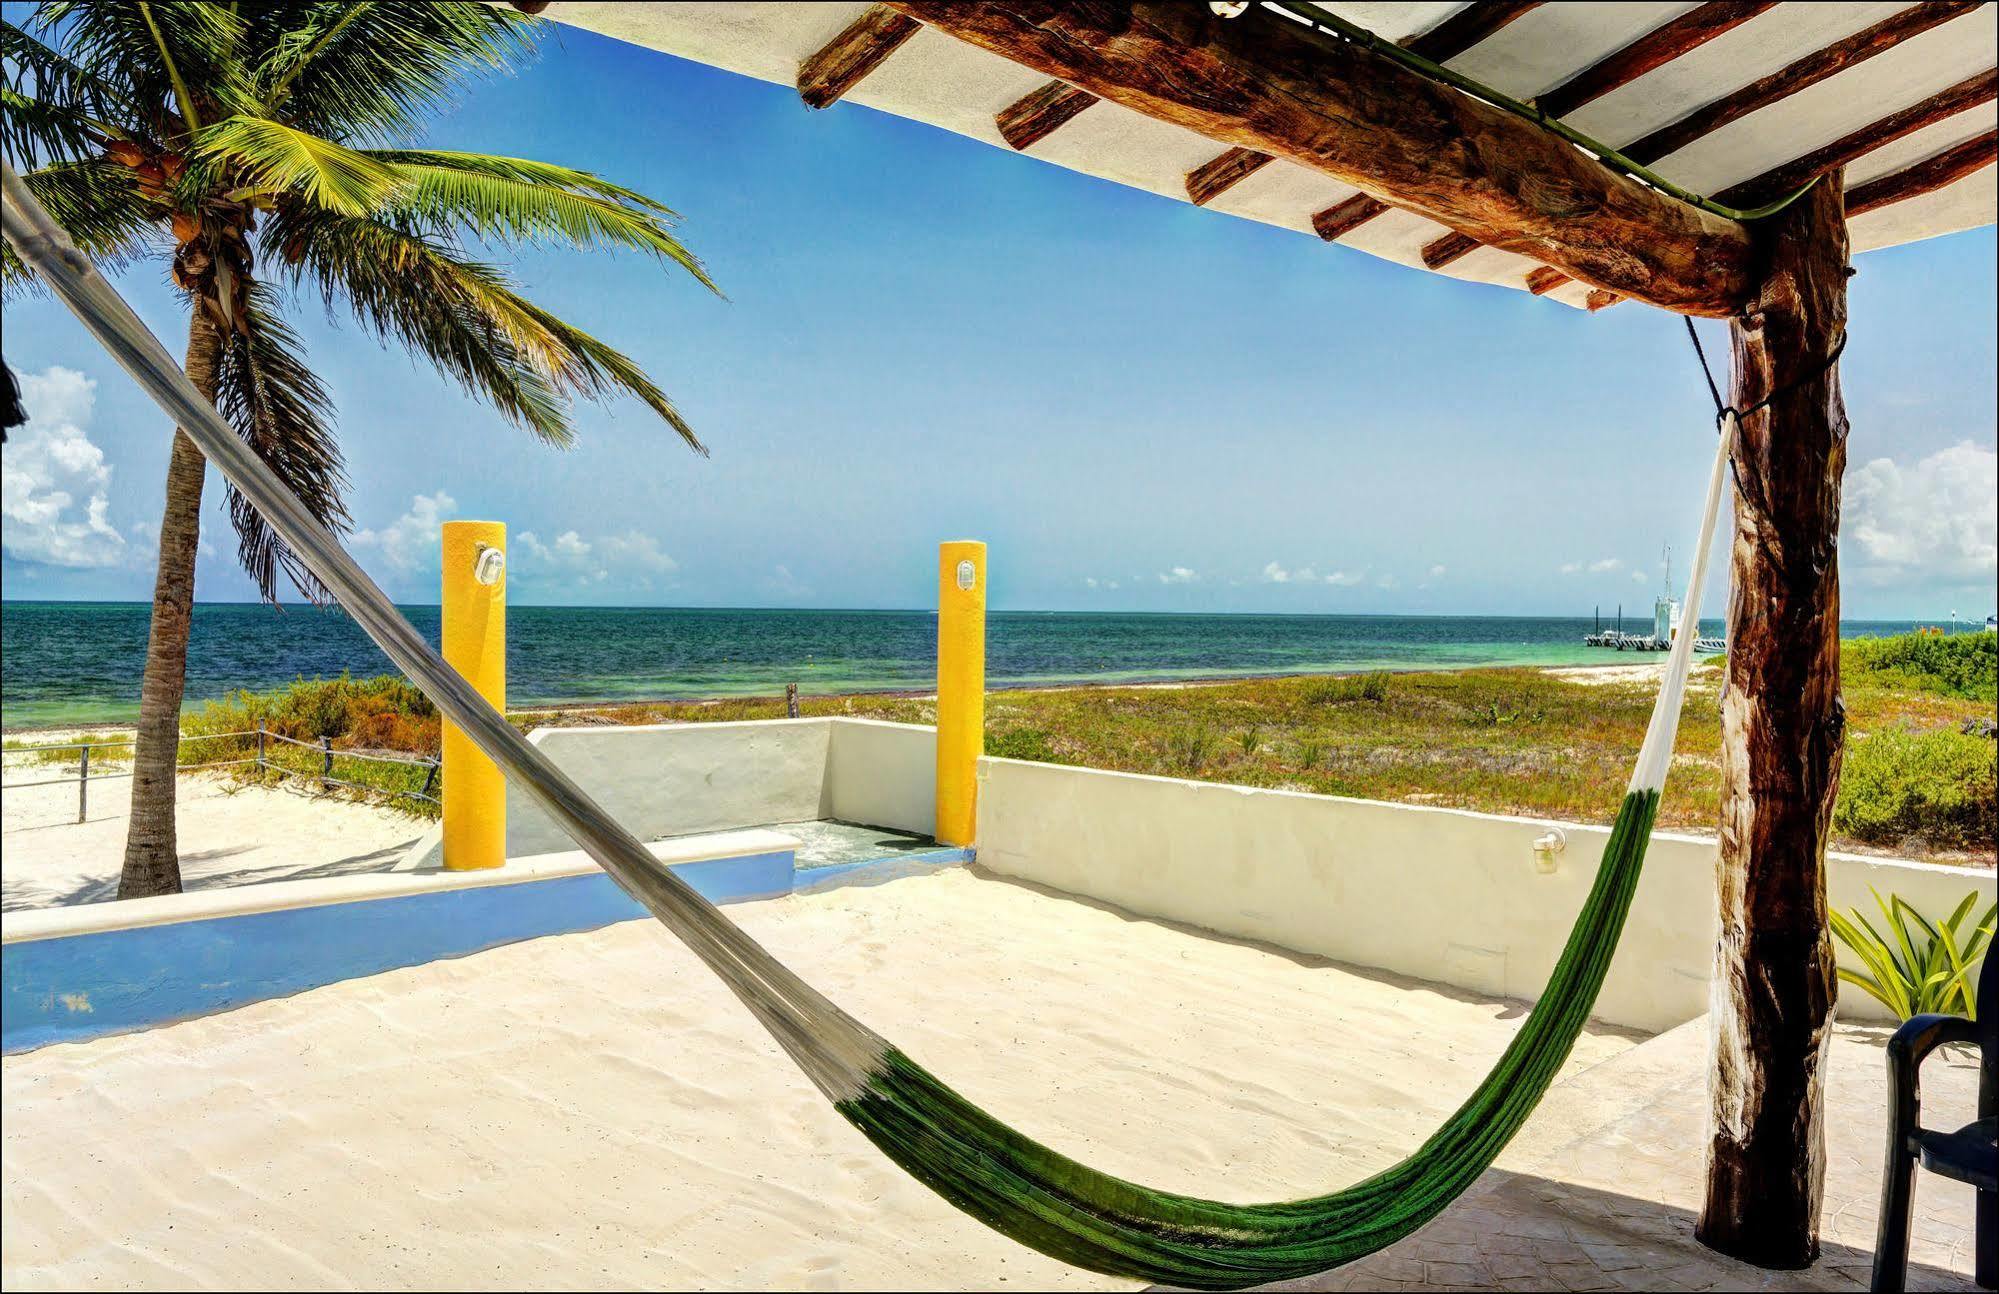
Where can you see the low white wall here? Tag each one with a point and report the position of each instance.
(1437, 894)
(675, 779)
(883, 774)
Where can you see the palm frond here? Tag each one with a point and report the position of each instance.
(466, 317)
(403, 286)
(100, 205)
(272, 158)
(266, 391)
(54, 111)
(598, 371)
(373, 71)
(506, 208)
(525, 169)
(184, 53)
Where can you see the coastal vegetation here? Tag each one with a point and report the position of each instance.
(1920, 779)
(266, 151)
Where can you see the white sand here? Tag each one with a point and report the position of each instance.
(595, 1110)
(228, 833)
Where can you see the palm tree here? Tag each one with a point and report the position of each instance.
(265, 148)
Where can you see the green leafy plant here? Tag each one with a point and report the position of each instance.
(1923, 968)
(1191, 749)
(1250, 740)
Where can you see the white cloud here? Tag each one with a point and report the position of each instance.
(1345, 579)
(632, 554)
(1384, 582)
(412, 541)
(1572, 568)
(637, 552)
(1937, 517)
(1276, 574)
(1178, 575)
(54, 481)
(1637, 577)
(1437, 572)
(1605, 566)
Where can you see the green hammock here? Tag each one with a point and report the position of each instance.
(1012, 1184)
(1072, 1212)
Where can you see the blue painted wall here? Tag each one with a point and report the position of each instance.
(88, 985)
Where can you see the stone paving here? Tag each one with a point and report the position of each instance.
(1602, 1189)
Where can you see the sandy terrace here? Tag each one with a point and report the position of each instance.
(229, 834)
(594, 1110)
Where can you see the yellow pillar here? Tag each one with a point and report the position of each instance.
(961, 687)
(475, 644)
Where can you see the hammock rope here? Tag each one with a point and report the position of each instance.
(1011, 1183)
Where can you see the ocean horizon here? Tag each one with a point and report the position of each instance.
(68, 663)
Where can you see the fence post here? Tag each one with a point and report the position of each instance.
(326, 756)
(475, 644)
(429, 780)
(83, 785)
(260, 748)
(961, 687)
(791, 700)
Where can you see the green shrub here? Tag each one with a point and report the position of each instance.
(1347, 688)
(1022, 743)
(385, 713)
(1925, 968)
(1960, 665)
(1190, 749)
(1249, 740)
(1940, 786)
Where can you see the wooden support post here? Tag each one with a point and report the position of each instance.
(1782, 729)
(326, 759)
(791, 700)
(83, 785)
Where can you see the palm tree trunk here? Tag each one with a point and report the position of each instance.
(152, 854)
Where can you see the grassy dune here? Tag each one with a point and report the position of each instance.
(1919, 776)
(1516, 741)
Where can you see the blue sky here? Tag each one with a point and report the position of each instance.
(1140, 405)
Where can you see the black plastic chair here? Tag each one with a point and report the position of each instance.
(1971, 1154)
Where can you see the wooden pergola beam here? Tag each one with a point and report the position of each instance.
(1274, 86)
(1944, 168)
(1442, 43)
(1035, 116)
(1926, 176)
(1465, 28)
(1544, 280)
(1213, 178)
(1800, 171)
(1649, 52)
(1797, 75)
(850, 56)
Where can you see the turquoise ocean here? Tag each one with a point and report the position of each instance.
(79, 662)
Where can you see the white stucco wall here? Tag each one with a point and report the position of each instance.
(674, 779)
(883, 774)
(677, 779)
(1434, 893)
